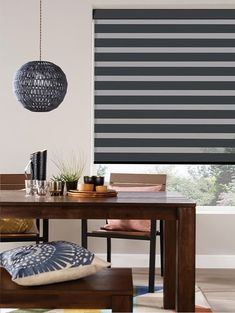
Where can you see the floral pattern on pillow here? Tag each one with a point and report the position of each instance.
(50, 262)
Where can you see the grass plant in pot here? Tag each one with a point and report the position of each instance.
(56, 179)
(70, 170)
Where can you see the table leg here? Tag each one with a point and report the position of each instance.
(169, 259)
(122, 304)
(84, 233)
(152, 256)
(185, 299)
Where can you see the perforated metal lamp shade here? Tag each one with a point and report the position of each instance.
(40, 86)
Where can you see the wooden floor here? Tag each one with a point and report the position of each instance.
(218, 286)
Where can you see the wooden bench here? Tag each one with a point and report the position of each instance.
(111, 288)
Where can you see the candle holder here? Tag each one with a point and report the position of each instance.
(95, 180)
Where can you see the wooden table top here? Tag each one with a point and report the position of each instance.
(127, 205)
(162, 198)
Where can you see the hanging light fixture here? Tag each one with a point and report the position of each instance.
(40, 85)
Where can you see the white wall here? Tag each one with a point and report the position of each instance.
(67, 41)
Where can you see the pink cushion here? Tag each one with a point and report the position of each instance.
(131, 225)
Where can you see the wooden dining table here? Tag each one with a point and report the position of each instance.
(177, 212)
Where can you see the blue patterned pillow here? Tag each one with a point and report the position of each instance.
(48, 263)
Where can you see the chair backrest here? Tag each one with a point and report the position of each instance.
(17, 182)
(12, 181)
(138, 180)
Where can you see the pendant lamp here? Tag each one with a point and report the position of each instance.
(40, 86)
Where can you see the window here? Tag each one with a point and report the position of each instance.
(164, 94)
(207, 185)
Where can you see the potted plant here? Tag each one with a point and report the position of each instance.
(70, 170)
(58, 179)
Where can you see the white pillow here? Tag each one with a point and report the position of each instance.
(51, 262)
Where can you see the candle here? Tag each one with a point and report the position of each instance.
(101, 189)
(85, 187)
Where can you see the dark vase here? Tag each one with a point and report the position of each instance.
(62, 188)
(95, 180)
(71, 185)
(99, 180)
(89, 179)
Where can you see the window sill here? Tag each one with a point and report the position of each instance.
(215, 210)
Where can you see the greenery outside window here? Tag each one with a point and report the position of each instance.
(207, 185)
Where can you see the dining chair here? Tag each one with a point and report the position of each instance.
(131, 229)
(16, 182)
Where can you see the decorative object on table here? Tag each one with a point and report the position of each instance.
(85, 187)
(70, 170)
(38, 169)
(42, 187)
(95, 180)
(99, 180)
(40, 85)
(38, 165)
(92, 194)
(88, 179)
(58, 179)
(30, 187)
(49, 263)
(101, 188)
(70, 185)
(34, 169)
(55, 188)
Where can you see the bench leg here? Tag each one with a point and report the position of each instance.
(122, 304)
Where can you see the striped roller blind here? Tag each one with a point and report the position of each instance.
(164, 86)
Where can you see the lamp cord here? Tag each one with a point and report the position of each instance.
(40, 31)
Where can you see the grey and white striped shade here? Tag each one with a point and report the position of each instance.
(164, 86)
